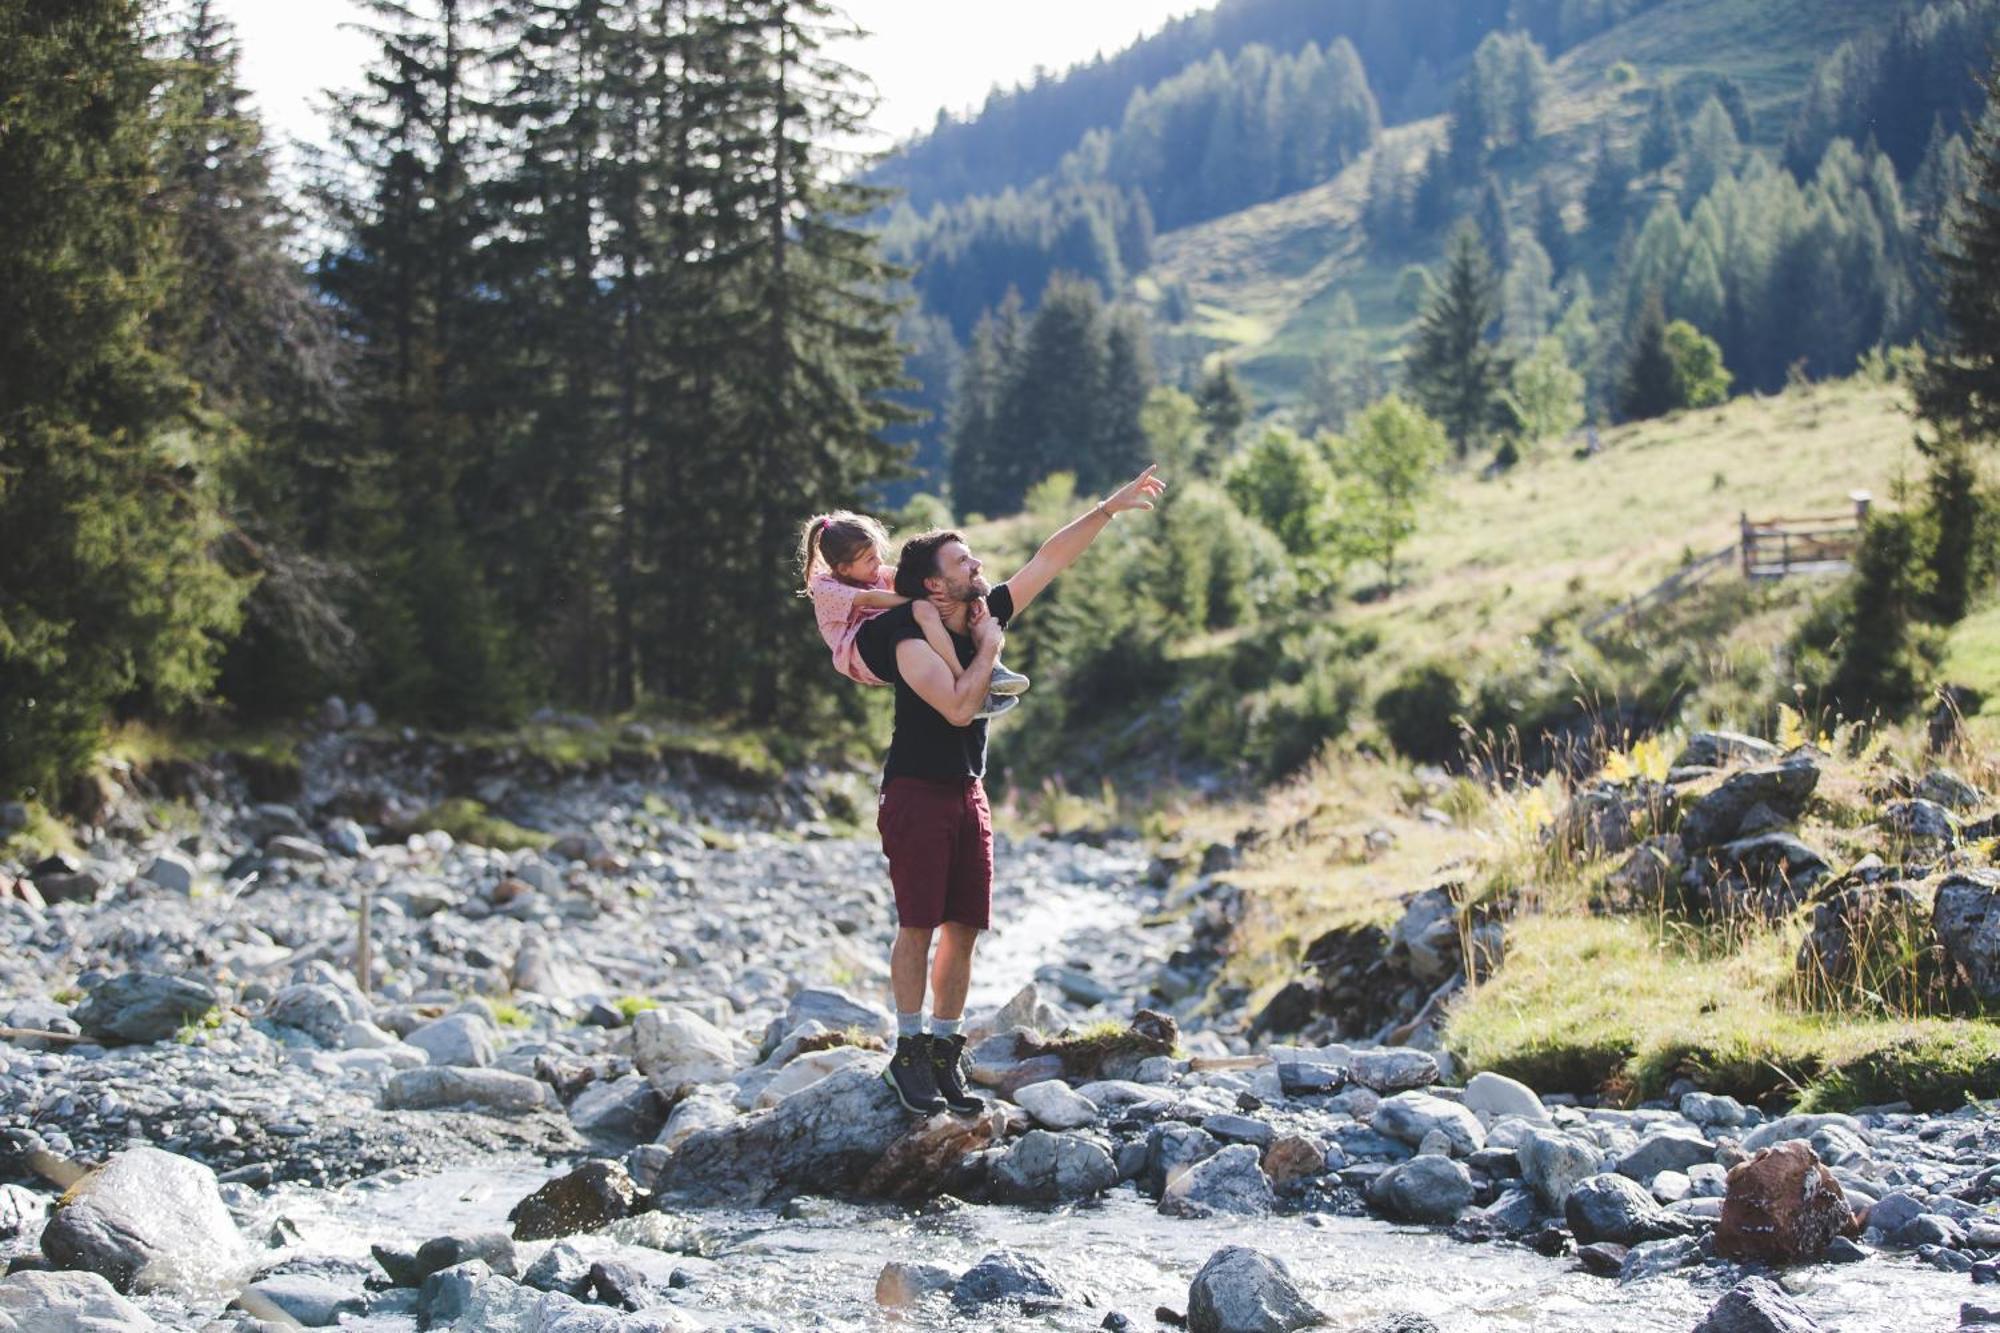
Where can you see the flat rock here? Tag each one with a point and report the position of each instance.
(1756, 1305)
(1410, 1116)
(315, 1301)
(492, 1090)
(40, 1302)
(1801, 1127)
(146, 1220)
(1241, 1290)
(1055, 1105)
(1394, 1069)
(462, 1039)
(143, 1007)
(1665, 1149)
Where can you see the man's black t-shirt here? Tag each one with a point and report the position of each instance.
(924, 744)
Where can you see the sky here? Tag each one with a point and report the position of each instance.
(923, 55)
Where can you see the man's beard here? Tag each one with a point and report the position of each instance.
(970, 590)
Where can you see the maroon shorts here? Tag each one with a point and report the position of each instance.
(938, 837)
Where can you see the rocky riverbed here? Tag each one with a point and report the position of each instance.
(628, 1081)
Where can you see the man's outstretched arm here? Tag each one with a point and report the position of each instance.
(1060, 551)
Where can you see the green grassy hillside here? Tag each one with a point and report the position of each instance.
(1265, 281)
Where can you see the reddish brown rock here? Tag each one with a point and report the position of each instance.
(1293, 1157)
(919, 1165)
(1782, 1207)
(21, 890)
(508, 889)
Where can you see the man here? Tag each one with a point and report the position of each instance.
(936, 829)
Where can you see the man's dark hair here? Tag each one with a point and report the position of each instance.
(919, 561)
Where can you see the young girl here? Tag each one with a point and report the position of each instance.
(850, 583)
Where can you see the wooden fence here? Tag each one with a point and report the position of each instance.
(1772, 548)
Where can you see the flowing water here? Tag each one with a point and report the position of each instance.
(819, 1271)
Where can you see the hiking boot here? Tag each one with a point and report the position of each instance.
(911, 1075)
(1006, 683)
(996, 704)
(948, 1074)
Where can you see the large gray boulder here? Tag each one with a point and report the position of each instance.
(170, 870)
(1719, 749)
(1609, 1207)
(1411, 1116)
(835, 1009)
(820, 1140)
(1757, 1305)
(319, 1009)
(142, 1007)
(1394, 1068)
(1802, 1127)
(32, 1302)
(460, 1039)
(146, 1220)
(493, 1090)
(1044, 1167)
(679, 1050)
(1424, 1189)
(1055, 1105)
(1666, 1149)
(1240, 1290)
(621, 1110)
(1966, 917)
(1232, 1181)
(1717, 817)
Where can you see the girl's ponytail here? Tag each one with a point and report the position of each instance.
(831, 540)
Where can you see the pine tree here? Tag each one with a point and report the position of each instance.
(1455, 371)
(1610, 177)
(991, 364)
(1712, 151)
(1649, 387)
(1551, 231)
(820, 331)
(109, 594)
(1660, 142)
(1958, 390)
(1224, 406)
(1496, 230)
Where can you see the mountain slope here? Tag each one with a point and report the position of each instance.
(1266, 280)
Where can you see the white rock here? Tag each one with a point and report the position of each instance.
(696, 1112)
(678, 1049)
(456, 1039)
(34, 1302)
(1494, 1097)
(810, 1068)
(1055, 1105)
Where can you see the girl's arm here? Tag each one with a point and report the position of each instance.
(932, 624)
(874, 598)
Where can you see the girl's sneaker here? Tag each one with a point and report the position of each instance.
(1007, 683)
(996, 704)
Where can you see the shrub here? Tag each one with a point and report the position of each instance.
(1421, 712)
